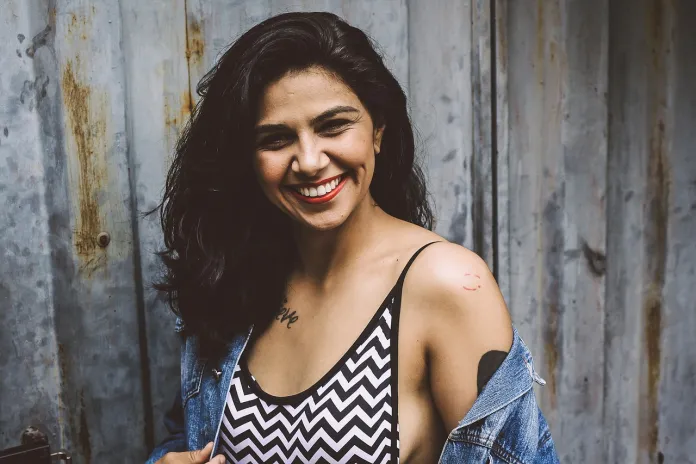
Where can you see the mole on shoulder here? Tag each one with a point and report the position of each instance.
(489, 363)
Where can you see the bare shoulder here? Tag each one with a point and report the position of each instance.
(457, 290)
(454, 297)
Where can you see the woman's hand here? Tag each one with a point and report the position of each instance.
(193, 457)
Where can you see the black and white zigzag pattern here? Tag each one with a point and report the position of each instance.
(345, 418)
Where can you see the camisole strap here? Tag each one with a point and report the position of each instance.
(402, 277)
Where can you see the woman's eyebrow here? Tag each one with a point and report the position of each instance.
(328, 114)
(268, 128)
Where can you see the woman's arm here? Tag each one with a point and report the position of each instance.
(466, 318)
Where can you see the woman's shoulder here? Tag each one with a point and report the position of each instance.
(454, 285)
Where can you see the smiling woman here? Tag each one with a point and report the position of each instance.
(293, 216)
(317, 143)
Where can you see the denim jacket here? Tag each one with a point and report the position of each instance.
(504, 425)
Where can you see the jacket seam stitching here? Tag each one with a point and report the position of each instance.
(498, 408)
(505, 454)
(197, 388)
(544, 439)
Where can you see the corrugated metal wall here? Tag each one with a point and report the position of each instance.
(559, 139)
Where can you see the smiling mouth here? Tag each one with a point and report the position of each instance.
(320, 193)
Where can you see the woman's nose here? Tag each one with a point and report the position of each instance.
(310, 158)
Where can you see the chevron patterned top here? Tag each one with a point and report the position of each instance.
(348, 416)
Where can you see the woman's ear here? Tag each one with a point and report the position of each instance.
(377, 138)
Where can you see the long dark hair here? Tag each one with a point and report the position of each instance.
(228, 250)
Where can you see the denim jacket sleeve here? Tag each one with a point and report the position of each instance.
(176, 440)
(505, 425)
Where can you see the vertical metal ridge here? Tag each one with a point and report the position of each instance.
(146, 382)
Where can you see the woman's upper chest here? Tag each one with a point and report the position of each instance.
(288, 359)
(313, 331)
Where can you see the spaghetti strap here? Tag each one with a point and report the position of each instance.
(400, 282)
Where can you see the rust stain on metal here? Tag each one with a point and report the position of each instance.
(77, 26)
(195, 44)
(87, 124)
(186, 103)
(176, 113)
(656, 255)
(657, 216)
(552, 303)
(652, 330)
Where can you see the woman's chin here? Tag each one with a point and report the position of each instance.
(320, 223)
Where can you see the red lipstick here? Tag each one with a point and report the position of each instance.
(315, 184)
(322, 198)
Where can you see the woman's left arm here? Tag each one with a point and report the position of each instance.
(467, 318)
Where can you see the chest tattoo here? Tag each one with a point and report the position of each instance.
(285, 314)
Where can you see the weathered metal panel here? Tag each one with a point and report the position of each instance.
(626, 197)
(441, 108)
(628, 410)
(95, 304)
(650, 351)
(500, 142)
(676, 427)
(159, 100)
(555, 60)
(213, 24)
(484, 196)
(30, 388)
(74, 158)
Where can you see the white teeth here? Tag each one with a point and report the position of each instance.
(321, 190)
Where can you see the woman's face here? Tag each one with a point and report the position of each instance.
(315, 148)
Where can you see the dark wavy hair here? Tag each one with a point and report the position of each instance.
(228, 250)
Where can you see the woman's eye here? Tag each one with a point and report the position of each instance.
(334, 127)
(273, 142)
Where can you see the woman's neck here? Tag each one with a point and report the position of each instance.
(323, 253)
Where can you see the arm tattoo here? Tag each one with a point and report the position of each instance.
(473, 282)
(489, 363)
(284, 314)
